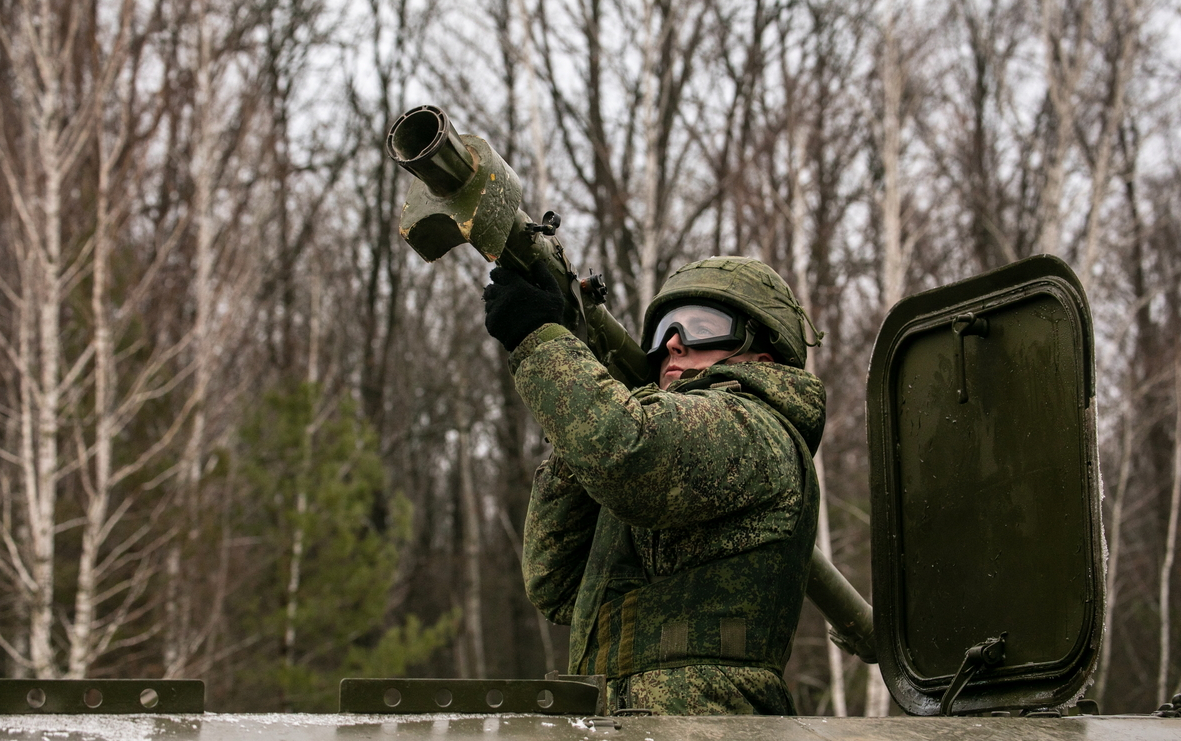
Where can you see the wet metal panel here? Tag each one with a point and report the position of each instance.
(105, 696)
(984, 487)
(293, 727)
(408, 696)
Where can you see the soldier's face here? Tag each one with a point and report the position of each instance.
(680, 359)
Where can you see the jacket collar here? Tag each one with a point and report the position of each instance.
(796, 394)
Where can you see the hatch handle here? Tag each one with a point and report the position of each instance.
(987, 654)
(966, 324)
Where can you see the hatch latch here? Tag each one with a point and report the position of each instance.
(988, 654)
(963, 325)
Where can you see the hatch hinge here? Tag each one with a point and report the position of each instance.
(988, 654)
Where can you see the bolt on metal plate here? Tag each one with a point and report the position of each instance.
(413, 696)
(101, 696)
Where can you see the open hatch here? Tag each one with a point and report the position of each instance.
(988, 566)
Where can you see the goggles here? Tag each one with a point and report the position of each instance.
(701, 326)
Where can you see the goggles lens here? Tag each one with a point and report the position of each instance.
(700, 327)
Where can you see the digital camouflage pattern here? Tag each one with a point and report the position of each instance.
(704, 690)
(672, 530)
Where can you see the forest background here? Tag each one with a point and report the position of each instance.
(247, 435)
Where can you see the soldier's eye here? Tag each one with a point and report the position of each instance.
(708, 327)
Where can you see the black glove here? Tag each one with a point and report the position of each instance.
(514, 307)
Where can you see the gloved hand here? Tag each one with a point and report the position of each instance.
(514, 307)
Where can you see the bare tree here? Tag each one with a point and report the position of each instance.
(93, 382)
(224, 274)
(632, 244)
(473, 611)
(80, 120)
(1122, 33)
(1065, 28)
(1166, 571)
(899, 235)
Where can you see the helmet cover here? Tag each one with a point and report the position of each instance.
(747, 285)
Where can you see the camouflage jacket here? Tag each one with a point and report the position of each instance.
(672, 530)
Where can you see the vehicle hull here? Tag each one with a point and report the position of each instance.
(442, 727)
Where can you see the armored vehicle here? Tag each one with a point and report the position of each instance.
(987, 538)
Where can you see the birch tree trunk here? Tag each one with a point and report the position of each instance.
(87, 637)
(98, 493)
(473, 607)
(1112, 116)
(527, 59)
(48, 303)
(896, 256)
(30, 578)
(304, 478)
(895, 261)
(184, 631)
(895, 253)
(295, 570)
(178, 639)
(1064, 68)
(1166, 571)
(651, 106)
(1114, 548)
(836, 664)
(70, 65)
(42, 63)
(35, 565)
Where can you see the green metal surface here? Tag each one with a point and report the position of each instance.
(214, 727)
(984, 486)
(843, 607)
(105, 696)
(480, 213)
(424, 142)
(415, 696)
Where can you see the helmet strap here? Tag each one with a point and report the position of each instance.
(817, 336)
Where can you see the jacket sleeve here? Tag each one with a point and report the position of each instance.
(654, 459)
(559, 529)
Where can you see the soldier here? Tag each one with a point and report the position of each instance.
(673, 526)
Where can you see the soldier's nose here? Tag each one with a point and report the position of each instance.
(674, 345)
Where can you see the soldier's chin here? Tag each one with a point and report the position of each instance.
(668, 377)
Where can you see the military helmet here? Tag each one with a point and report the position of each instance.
(751, 287)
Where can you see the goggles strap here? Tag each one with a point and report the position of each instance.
(751, 327)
